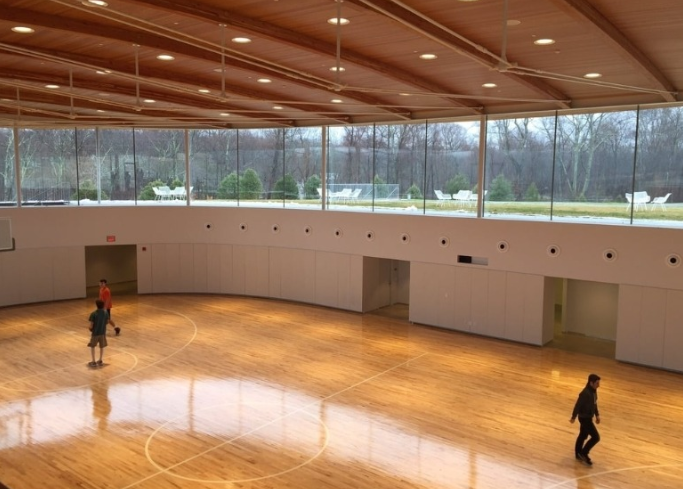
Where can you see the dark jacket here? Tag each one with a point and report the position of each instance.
(587, 404)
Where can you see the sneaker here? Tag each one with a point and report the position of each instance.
(584, 458)
(577, 455)
(100, 363)
(117, 330)
(92, 364)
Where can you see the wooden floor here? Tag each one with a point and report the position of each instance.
(216, 391)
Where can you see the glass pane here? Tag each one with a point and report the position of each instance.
(659, 168)
(160, 164)
(351, 170)
(213, 166)
(261, 165)
(8, 189)
(118, 164)
(452, 168)
(48, 166)
(399, 165)
(519, 167)
(594, 166)
(303, 163)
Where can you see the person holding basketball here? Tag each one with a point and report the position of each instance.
(98, 330)
(105, 296)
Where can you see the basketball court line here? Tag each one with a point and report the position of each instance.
(608, 472)
(256, 429)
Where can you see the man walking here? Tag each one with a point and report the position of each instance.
(585, 409)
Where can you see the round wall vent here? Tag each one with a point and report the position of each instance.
(275, 228)
(673, 260)
(405, 238)
(208, 226)
(609, 255)
(370, 235)
(502, 246)
(338, 233)
(243, 227)
(308, 230)
(444, 241)
(553, 250)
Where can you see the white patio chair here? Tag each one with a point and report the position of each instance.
(660, 201)
(462, 197)
(178, 193)
(442, 198)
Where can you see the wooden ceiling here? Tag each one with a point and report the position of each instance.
(301, 70)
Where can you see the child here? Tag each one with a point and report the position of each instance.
(105, 296)
(98, 328)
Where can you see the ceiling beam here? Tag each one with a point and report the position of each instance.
(295, 39)
(591, 17)
(437, 33)
(164, 43)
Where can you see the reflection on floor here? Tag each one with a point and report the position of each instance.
(566, 341)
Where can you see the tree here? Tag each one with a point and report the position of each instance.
(457, 183)
(250, 185)
(287, 186)
(531, 194)
(414, 192)
(501, 190)
(227, 189)
(311, 187)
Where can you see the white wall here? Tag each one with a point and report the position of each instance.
(326, 267)
(590, 308)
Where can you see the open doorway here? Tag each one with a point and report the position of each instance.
(585, 317)
(386, 288)
(116, 263)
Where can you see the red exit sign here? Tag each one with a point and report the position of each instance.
(111, 239)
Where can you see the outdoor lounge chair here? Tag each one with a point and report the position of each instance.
(660, 201)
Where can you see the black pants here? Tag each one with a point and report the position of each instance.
(587, 429)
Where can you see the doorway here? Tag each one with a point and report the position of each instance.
(116, 263)
(585, 317)
(386, 288)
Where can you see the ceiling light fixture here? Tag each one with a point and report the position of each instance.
(277, 107)
(149, 101)
(428, 56)
(165, 57)
(95, 3)
(337, 101)
(592, 75)
(23, 30)
(341, 68)
(225, 114)
(241, 40)
(52, 87)
(544, 42)
(340, 21)
(489, 85)
(204, 90)
(264, 80)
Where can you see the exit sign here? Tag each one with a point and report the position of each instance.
(111, 239)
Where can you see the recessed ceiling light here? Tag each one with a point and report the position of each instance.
(337, 101)
(340, 21)
(225, 114)
(544, 42)
(428, 56)
(100, 110)
(468, 0)
(165, 57)
(204, 90)
(149, 101)
(94, 3)
(264, 80)
(241, 40)
(23, 30)
(277, 107)
(103, 72)
(513, 22)
(52, 86)
(341, 68)
(489, 85)
(404, 94)
(592, 75)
